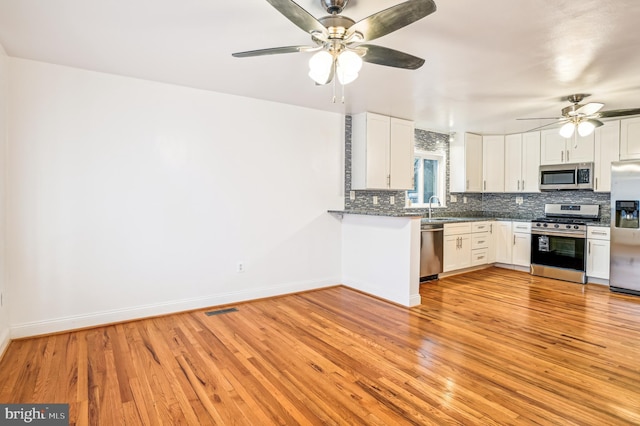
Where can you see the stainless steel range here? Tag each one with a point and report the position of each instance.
(558, 241)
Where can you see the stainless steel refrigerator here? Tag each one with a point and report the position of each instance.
(625, 228)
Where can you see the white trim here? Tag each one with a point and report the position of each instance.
(128, 314)
(4, 342)
(441, 158)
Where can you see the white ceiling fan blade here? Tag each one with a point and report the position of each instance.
(590, 108)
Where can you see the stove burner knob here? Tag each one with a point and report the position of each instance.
(569, 226)
(545, 225)
(556, 226)
(575, 227)
(538, 224)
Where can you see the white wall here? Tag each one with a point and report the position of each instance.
(129, 198)
(4, 88)
(381, 256)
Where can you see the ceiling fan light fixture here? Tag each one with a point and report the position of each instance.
(566, 131)
(349, 64)
(585, 128)
(320, 66)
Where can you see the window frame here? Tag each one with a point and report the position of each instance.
(441, 158)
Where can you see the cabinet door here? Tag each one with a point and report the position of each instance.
(401, 154)
(370, 151)
(552, 147)
(503, 243)
(521, 249)
(598, 258)
(493, 163)
(607, 150)
(457, 252)
(473, 162)
(464, 255)
(580, 149)
(513, 163)
(530, 162)
(491, 245)
(451, 246)
(630, 139)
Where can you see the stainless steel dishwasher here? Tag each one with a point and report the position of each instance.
(431, 250)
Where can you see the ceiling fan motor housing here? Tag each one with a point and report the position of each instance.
(334, 6)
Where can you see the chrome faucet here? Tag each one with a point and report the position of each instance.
(431, 198)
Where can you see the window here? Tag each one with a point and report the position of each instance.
(428, 177)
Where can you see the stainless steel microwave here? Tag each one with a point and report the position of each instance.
(566, 176)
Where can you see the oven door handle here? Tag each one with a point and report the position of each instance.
(560, 234)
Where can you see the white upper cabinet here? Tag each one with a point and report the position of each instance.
(493, 163)
(607, 150)
(381, 152)
(466, 163)
(554, 149)
(630, 139)
(522, 162)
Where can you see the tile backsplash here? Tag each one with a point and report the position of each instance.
(489, 205)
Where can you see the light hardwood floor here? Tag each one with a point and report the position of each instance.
(489, 347)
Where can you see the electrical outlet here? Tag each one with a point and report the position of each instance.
(519, 201)
(392, 199)
(464, 200)
(352, 195)
(240, 267)
(453, 198)
(375, 200)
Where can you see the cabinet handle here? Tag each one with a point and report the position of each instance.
(589, 247)
(598, 233)
(562, 157)
(518, 184)
(480, 257)
(514, 240)
(491, 228)
(567, 156)
(523, 184)
(596, 183)
(485, 185)
(467, 183)
(481, 242)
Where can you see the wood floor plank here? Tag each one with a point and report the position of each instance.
(491, 347)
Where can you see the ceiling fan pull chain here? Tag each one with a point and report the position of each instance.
(334, 88)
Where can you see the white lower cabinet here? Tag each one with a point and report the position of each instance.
(503, 237)
(521, 244)
(457, 246)
(481, 243)
(513, 243)
(598, 252)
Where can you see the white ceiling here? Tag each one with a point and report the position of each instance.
(487, 62)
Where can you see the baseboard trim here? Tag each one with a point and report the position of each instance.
(5, 339)
(75, 322)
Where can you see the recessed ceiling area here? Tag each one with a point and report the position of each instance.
(487, 62)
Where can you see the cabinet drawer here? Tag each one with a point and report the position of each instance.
(480, 226)
(480, 240)
(478, 257)
(598, 233)
(524, 227)
(457, 228)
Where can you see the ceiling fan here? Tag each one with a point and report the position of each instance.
(584, 118)
(339, 41)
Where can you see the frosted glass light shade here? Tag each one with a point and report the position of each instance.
(349, 63)
(566, 131)
(320, 66)
(585, 128)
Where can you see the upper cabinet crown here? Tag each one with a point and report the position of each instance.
(381, 152)
(554, 149)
